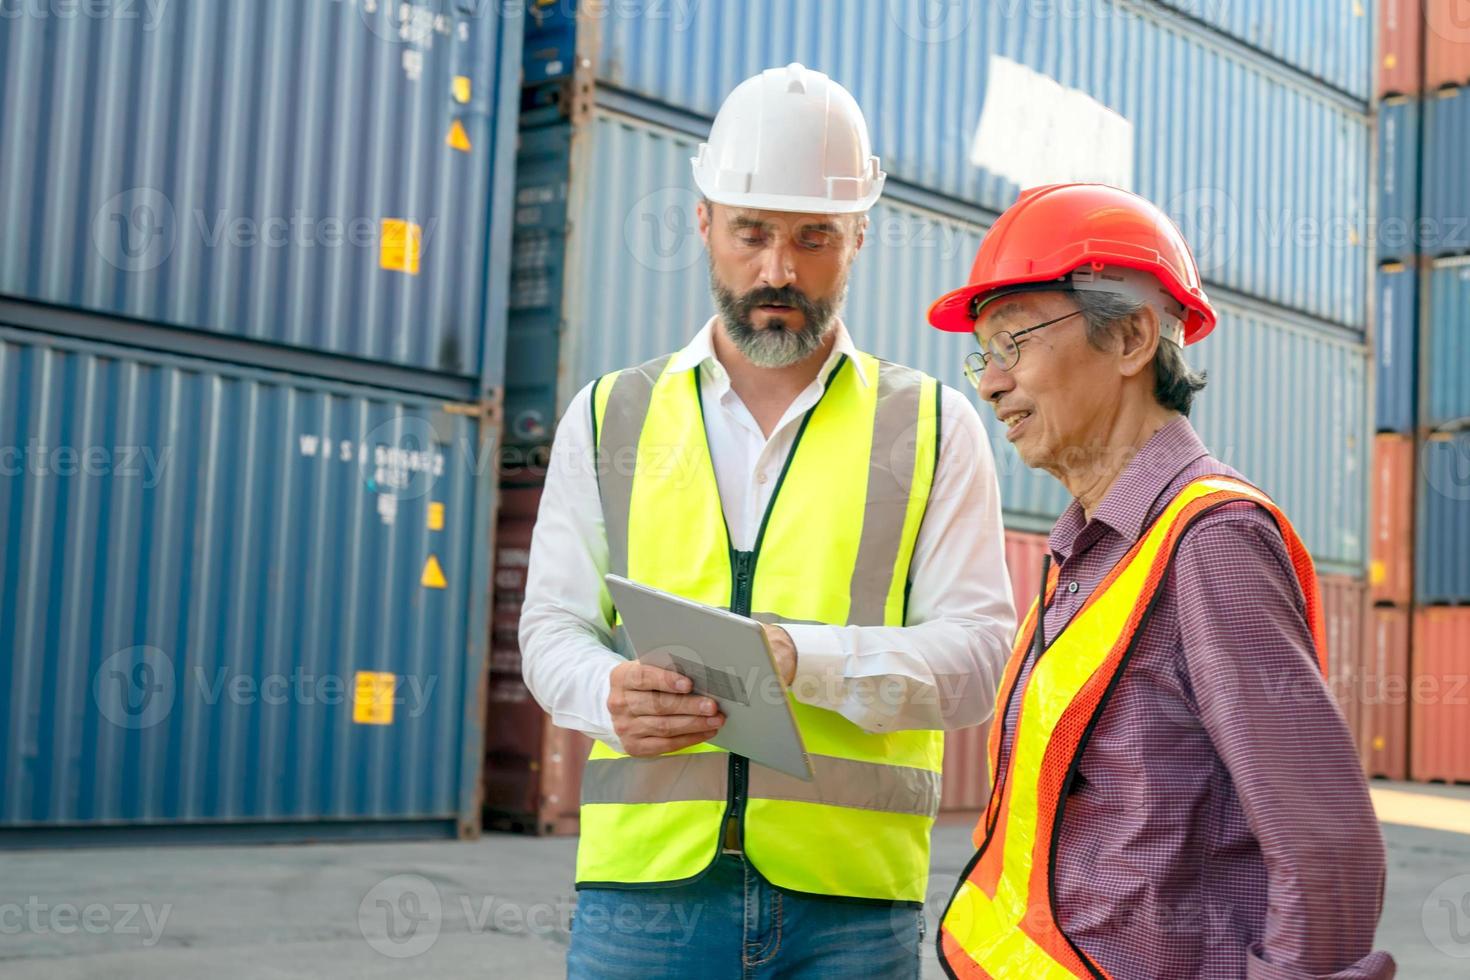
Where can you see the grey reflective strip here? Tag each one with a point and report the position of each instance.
(617, 447)
(701, 776)
(661, 779)
(861, 785)
(890, 477)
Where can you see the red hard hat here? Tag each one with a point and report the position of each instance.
(1052, 230)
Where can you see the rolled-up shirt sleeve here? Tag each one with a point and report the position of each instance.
(1253, 670)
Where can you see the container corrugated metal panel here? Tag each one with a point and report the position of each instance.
(1446, 44)
(1391, 567)
(533, 770)
(1446, 194)
(966, 783)
(1400, 35)
(1268, 178)
(1384, 691)
(199, 561)
(229, 167)
(1440, 749)
(1287, 406)
(1345, 609)
(1398, 177)
(1331, 42)
(1396, 361)
(1443, 558)
(1447, 342)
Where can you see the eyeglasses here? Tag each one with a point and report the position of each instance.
(1004, 349)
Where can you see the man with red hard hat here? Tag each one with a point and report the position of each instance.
(1175, 792)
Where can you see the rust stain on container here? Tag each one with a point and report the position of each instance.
(1440, 749)
(1391, 569)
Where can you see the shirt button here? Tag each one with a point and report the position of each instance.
(760, 478)
(1071, 586)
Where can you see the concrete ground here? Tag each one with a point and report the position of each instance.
(500, 906)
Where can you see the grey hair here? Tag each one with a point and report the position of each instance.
(1175, 385)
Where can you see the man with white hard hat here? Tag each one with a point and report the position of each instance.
(848, 503)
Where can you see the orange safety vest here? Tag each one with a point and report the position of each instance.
(1000, 921)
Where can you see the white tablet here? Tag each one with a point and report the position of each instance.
(727, 658)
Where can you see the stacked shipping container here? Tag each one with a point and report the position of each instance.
(1421, 507)
(1268, 178)
(252, 288)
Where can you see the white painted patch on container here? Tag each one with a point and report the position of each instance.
(1033, 130)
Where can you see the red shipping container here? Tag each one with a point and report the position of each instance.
(1440, 749)
(1345, 608)
(1391, 570)
(1023, 560)
(1400, 27)
(1446, 44)
(1383, 690)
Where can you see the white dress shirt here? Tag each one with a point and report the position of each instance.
(941, 671)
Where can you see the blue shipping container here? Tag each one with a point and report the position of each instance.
(1287, 403)
(1266, 174)
(1442, 574)
(1446, 226)
(1394, 348)
(1447, 344)
(231, 596)
(1329, 41)
(1398, 177)
(324, 174)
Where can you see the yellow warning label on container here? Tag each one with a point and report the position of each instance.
(461, 88)
(399, 247)
(458, 138)
(433, 577)
(436, 517)
(1379, 743)
(372, 698)
(1377, 572)
(1390, 61)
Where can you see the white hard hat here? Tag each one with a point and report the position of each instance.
(789, 139)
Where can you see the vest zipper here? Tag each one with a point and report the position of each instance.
(742, 566)
(742, 585)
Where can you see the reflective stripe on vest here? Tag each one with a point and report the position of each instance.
(834, 548)
(1000, 921)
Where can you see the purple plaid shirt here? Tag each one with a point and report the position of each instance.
(1220, 825)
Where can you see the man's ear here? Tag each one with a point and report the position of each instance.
(1138, 335)
(704, 215)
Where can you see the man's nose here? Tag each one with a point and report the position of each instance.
(777, 268)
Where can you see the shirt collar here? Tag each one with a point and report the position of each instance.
(701, 350)
(1126, 506)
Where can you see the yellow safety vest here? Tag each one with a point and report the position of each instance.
(1000, 921)
(834, 548)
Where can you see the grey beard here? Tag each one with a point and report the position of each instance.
(776, 346)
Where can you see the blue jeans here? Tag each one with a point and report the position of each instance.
(732, 923)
